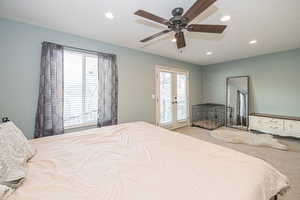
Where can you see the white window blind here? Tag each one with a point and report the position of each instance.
(80, 88)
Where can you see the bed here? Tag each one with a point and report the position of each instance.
(139, 161)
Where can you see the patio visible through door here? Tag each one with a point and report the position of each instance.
(172, 101)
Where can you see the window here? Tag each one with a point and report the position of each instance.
(80, 88)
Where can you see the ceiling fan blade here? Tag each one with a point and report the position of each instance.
(198, 7)
(206, 28)
(180, 40)
(155, 35)
(151, 16)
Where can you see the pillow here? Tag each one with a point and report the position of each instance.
(5, 192)
(12, 162)
(15, 151)
(17, 140)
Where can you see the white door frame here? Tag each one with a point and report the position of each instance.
(158, 69)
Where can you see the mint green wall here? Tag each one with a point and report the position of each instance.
(274, 78)
(20, 49)
(274, 82)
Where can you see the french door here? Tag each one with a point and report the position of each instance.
(172, 97)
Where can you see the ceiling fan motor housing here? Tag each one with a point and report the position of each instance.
(177, 11)
(177, 22)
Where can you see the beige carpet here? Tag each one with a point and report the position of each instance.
(288, 162)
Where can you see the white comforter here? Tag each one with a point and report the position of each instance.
(138, 161)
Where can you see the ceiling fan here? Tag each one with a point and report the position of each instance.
(181, 21)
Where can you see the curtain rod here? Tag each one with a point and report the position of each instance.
(70, 47)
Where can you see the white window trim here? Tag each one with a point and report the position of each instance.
(89, 124)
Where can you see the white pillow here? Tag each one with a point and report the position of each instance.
(12, 168)
(5, 192)
(17, 140)
(15, 151)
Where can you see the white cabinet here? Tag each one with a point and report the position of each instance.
(277, 125)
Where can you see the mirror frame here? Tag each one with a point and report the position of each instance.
(248, 85)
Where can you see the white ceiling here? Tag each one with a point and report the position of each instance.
(275, 24)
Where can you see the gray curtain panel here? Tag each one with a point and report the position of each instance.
(108, 90)
(49, 117)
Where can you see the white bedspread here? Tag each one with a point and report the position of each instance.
(138, 161)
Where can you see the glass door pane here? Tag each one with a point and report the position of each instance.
(181, 97)
(165, 99)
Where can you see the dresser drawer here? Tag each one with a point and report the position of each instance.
(274, 123)
(274, 126)
(256, 122)
(267, 125)
(292, 128)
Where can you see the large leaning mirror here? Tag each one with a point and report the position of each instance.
(237, 102)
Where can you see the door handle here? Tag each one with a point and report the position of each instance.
(175, 100)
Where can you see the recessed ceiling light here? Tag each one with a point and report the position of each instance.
(173, 40)
(109, 15)
(253, 42)
(209, 53)
(225, 18)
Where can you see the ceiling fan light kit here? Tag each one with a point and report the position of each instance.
(180, 22)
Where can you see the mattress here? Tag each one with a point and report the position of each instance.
(138, 161)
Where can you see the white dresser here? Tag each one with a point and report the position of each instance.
(275, 124)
